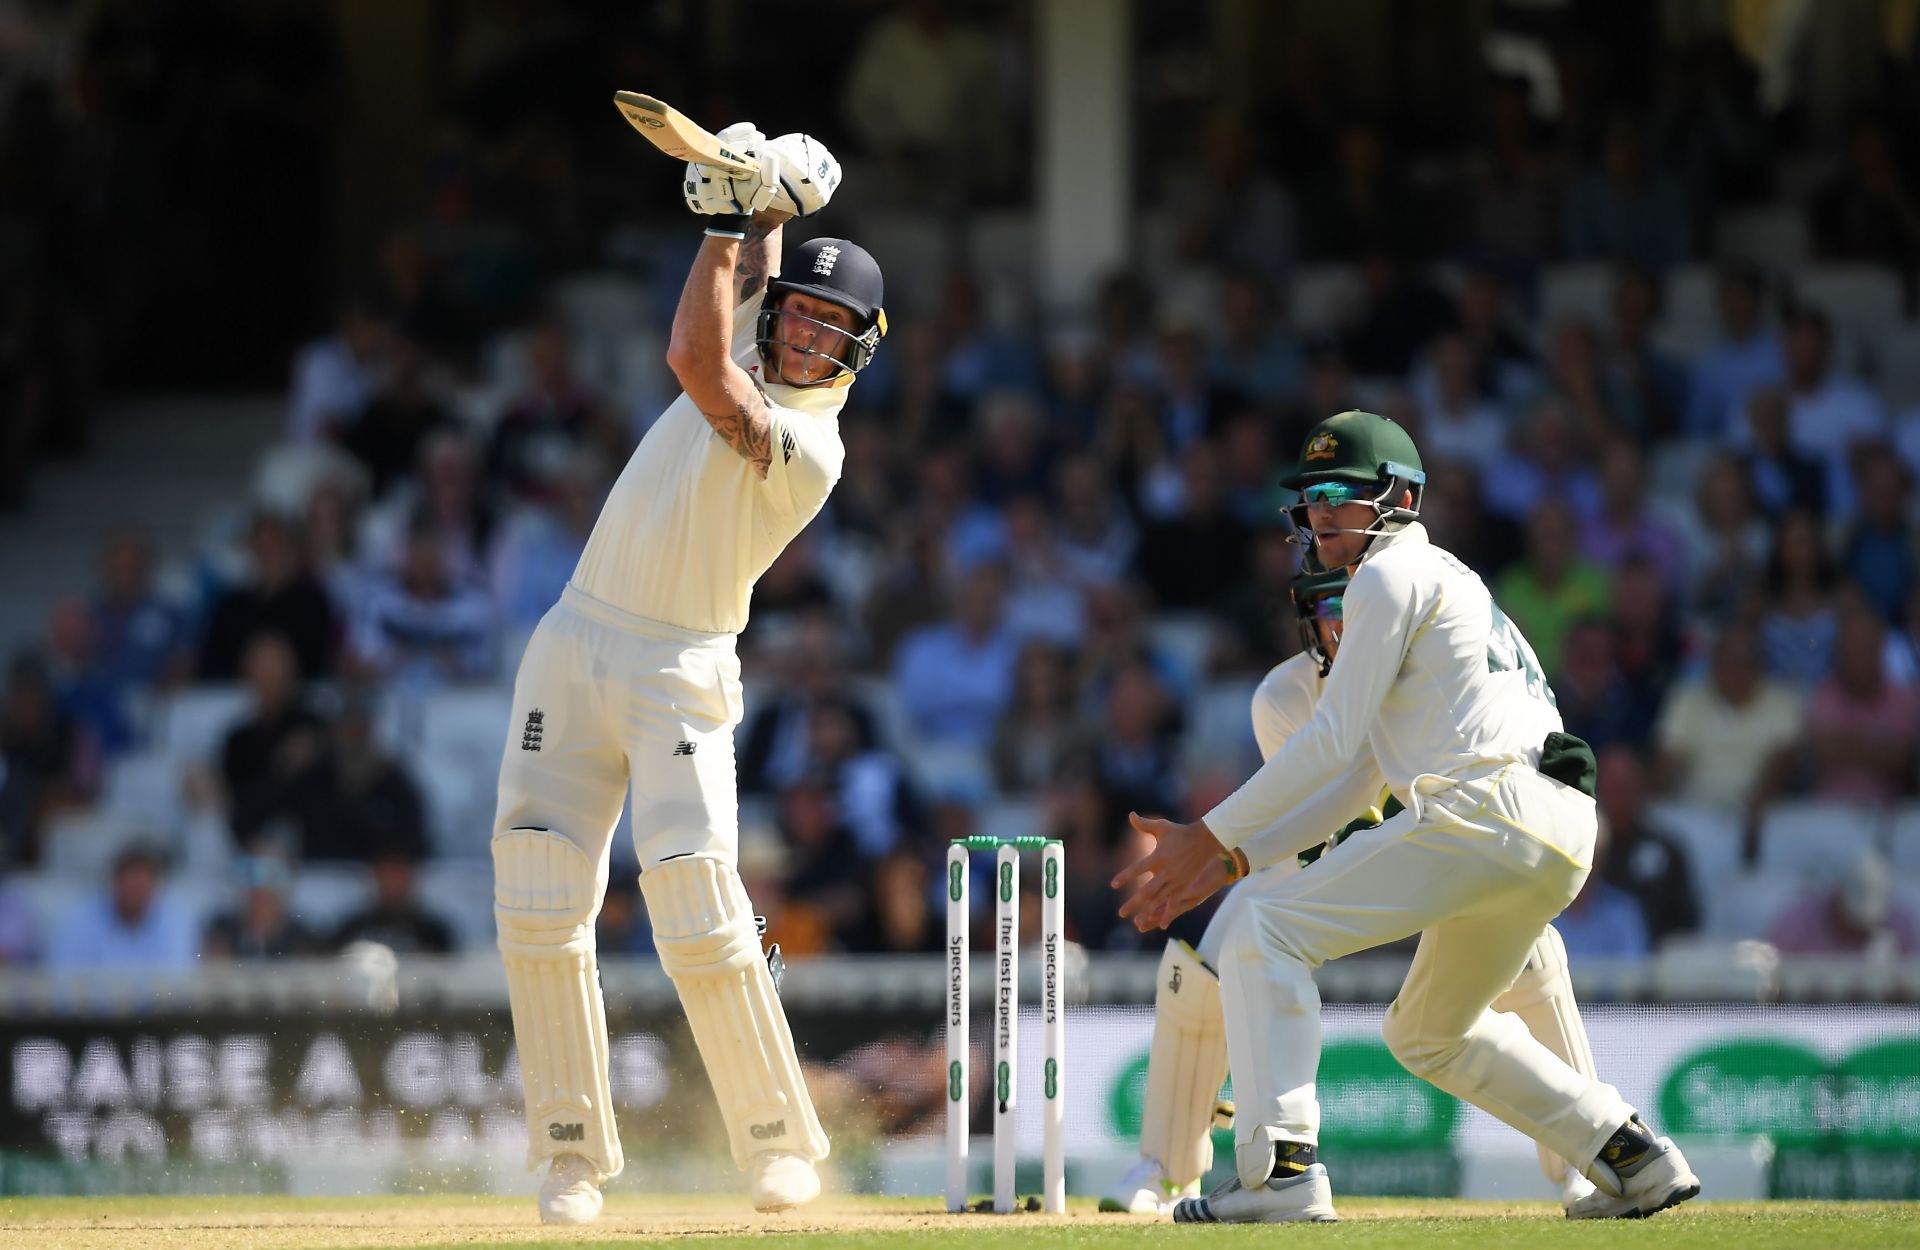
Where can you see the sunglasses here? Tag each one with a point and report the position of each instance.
(1332, 493)
(1331, 609)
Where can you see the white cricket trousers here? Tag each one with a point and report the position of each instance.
(606, 702)
(1477, 867)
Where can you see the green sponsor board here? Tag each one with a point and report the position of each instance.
(1841, 1129)
(1386, 1130)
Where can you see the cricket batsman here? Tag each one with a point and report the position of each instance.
(1495, 840)
(1187, 1059)
(631, 683)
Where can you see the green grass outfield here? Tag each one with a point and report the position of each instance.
(453, 1223)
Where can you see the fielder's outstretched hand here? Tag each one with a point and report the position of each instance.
(1185, 867)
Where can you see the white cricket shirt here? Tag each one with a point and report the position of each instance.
(690, 526)
(1282, 706)
(1432, 677)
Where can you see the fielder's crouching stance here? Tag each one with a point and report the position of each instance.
(631, 681)
(1496, 840)
(1187, 1060)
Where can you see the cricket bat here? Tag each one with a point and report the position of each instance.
(676, 134)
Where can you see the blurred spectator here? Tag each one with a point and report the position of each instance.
(621, 928)
(1400, 314)
(1236, 216)
(387, 436)
(1781, 477)
(335, 377)
(1641, 860)
(1193, 404)
(1604, 921)
(1043, 599)
(1577, 381)
(1857, 915)
(396, 919)
(1512, 185)
(45, 762)
(1798, 619)
(910, 595)
(862, 509)
(1549, 464)
(1553, 586)
(1647, 643)
(1727, 738)
(1747, 357)
(1135, 749)
(976, 360)
(1878, 554)
(899, 919)
(1190, 558)
(954, 678)
(1622, 210)
(278, 595)
(100, 708)
(1505, 368)
(1257, 628)
(1457, 518)
(130, 925)
(1329, 389)
(799, 928)
(1646, 392)
(1625, 527)
(536, 548)
(552, 421)
(333, 542)
(1096, 536)
(448, 499)
(1860, 726)
(1249, 475)
(870, 786)
(19, 930)
(1457, 422)
(353, 802)
(1828, 412)
(261, 927)
(1089, 824)
(777, 744)
(423, 628)
(1869, 211)
(1038, 728)
(1596, 701)
(1011, 450)
(142, 641)
(1123, 352)
(1727, 542)
(920, 92)
(1255, 354)
(278, 741)
(824, 867)
(1361, 204)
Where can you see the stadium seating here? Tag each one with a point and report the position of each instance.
(1812, 837)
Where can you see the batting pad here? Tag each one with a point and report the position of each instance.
(703, 929)
(1185, 1066)
(545, 892)
(1542, 996)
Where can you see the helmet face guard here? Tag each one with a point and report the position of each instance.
(1383, 494)
(1319, 599)
(850, 352)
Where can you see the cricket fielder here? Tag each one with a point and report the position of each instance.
(1187, 1060)
(631, 682)
(1495, 840)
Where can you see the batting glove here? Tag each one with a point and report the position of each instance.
(806, 173)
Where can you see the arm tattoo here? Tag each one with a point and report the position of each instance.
(748, 429)
(755, 263)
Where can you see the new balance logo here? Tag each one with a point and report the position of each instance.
(825, 261)
(765, 1132)
(536, 726)
(685, 748)
(567, 1132)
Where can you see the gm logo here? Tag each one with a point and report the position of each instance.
(640, 118)
(1051, 872)
(955, 875)
(1006, 882)
(567, 1132)
(956, 1082)
(762, 1132)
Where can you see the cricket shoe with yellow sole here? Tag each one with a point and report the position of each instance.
(1145, 1190)
(1305, 1198)
(1661, 1180)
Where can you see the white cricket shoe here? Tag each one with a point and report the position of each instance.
(1574, 1189)
(782, 1180)
(1307, 1197)
(1663, 1180)
(1145, 1190)
(571, 1192)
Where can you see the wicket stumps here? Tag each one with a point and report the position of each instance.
(1006, 1010)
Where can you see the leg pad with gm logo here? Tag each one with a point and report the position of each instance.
(704, 930)
(1185, 1066)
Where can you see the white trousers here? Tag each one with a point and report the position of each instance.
(1477, 868)
(606, 702)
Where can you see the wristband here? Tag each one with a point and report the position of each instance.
(1236, 862)
(728, 225)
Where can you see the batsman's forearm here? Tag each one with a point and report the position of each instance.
(759, 254)
(703, 322)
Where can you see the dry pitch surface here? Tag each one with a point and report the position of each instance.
(254, 1223)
